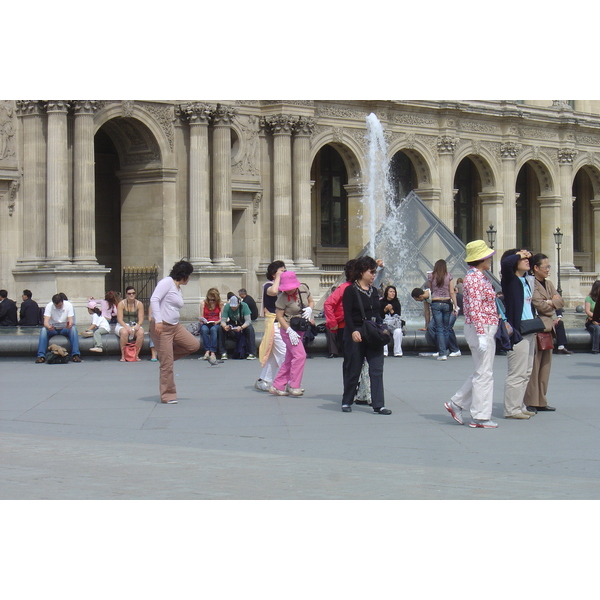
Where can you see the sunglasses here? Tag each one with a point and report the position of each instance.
(131, 293)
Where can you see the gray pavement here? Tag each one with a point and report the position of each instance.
(97, 430)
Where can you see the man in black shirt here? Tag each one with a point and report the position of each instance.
(249, 301)
(29, 313)
(8, 310)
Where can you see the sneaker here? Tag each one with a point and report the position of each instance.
(483, 423)
(262, 385)
(94, 349)
(250, 357)
(346, 408)
(382, 411)
(453, 354)
(519, 415)
(224, 356)
(289, 389)
(443, 357)
(398, 355)
(455, 411)
(170, 402)
(276, 392)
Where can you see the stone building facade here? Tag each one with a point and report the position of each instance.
(89, 188)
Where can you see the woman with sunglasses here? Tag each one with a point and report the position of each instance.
(355, 348)
(130, 318)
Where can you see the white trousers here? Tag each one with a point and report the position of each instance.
(477, 392)
(397, 335)
(520, 365)
(276, 357)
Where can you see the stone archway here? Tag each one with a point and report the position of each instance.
(586, 219)
(131, 210)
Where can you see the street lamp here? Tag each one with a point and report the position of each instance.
(491, 234)
(558, 236)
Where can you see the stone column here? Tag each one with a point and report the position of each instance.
(84, 193)
(565, 161)
(301, 198)
(57, 199)
(446, 146)
(595, 202)
(34, 181)
(281, 127)
(222, 217)
(492, 213)
(550, 208)
(198, 116)
(507, 236)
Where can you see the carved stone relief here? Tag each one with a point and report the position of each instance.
(256, 205)
(247, 163)
(566, 155)
(7, 130)
(164, 115)
(446, 144)
(509, 150)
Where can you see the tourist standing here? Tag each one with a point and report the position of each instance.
(271, 351)
(171, 339)
(355, 348)
(294, 300)
(443, 304)
(517, 290)
(481, 323)
(546, 300)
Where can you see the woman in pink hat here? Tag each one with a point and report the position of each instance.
(294, 300)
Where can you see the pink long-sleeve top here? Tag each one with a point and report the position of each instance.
(166, 301)
(479, 301)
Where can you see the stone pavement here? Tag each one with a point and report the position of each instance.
(97, 430)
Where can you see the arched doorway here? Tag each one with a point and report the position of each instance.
(130, 204)
(528, 209)
(467, 203)
(583, 223)
(403, 177)
(330, 209)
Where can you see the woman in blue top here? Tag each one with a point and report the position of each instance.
(517, 289)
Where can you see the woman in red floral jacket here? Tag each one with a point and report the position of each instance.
(481, 323)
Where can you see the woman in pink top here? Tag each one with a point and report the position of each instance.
(172, 341)
(481, 323)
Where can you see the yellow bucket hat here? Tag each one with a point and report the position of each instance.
(477, 250)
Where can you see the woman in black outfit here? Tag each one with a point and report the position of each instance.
(355, 349)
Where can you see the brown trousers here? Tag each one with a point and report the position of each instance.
(535, 395)
(173, 343)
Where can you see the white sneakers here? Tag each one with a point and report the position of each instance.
(456, 413)
(483, 423)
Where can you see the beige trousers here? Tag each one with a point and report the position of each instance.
(537, 387)
(520, 365)
(173, 343)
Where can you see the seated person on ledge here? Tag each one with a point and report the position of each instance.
(59, 319)
(235, 321)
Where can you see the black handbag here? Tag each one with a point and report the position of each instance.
(374, 334)
(532, 326)
(300, 323)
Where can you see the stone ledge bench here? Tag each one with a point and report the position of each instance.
(23, 341)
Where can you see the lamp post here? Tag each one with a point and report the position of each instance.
(558, 236)
(491, 235)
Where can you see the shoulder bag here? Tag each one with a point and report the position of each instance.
(375, 335)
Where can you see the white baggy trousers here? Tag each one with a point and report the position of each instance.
(477, 393)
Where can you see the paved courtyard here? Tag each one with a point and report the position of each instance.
(97, 430)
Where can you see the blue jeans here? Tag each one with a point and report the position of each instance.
(209, 337)
(440, 312)
(595, 333)
(431, 338)
(45, 335)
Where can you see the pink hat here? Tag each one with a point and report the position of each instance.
(92, 304)
(288, 281)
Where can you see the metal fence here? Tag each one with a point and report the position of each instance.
(143, 279)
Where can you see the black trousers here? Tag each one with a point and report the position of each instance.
(335, 341)
(354, 356)
(561, 336)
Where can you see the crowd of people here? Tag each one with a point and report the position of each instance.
(363, 322)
